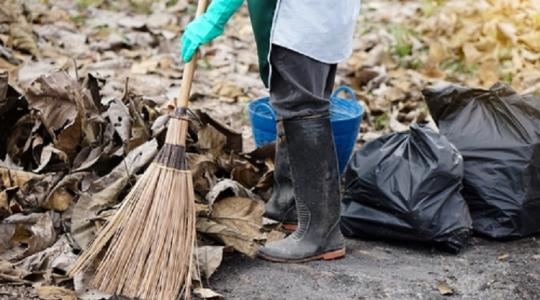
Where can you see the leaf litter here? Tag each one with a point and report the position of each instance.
(81, 123)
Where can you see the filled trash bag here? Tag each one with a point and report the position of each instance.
(406, 186)
(498, 133)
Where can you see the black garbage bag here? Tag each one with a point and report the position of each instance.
(498, 133)
(406, 186)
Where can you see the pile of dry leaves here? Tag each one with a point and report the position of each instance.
(67, 161)
(403, 46)
(492, 40)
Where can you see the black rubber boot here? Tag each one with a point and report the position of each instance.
(281, 206)
(315, 179)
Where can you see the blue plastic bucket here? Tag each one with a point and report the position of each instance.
(345, 114)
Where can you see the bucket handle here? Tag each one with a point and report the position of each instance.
(347, 90)
(266, 107)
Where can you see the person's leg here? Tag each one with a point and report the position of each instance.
(299, 94)
(281, 206)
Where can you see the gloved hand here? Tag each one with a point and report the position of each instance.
(207, 27)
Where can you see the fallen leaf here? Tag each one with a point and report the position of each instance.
(209, 259)
(55, 293)
(237, 222)
(15, 178)
(63, 194)
(36, 190)
(233, 138)
(507, 32)
(21, 38)
(29, 234)
(227, 188)
(120, 118)
(4, 204)
(503, 257)
(206, 293)
(247, 175)
(472, 55)
(62, 103)
(11, 273)
(203, 169)
(87, 158)
(488, 72)
(229, 92)
(211, 141)
(49, 155)
(50, 265)
(444, 288)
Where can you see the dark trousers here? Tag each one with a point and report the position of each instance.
(300, 87)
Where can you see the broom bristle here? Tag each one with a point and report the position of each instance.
(151, 240)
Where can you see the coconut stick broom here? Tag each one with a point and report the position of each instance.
(150, 241)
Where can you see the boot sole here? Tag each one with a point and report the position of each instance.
(332, 255)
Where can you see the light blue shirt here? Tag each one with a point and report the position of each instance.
(320, 29)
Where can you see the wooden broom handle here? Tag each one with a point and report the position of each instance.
(187, 78)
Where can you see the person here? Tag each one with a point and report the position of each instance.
(299, 43)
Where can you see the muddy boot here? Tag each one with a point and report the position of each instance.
(314, 171)
(281, 206)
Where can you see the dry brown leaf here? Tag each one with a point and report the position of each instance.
(237, 222)
(203, 169)
(35, 192)
(50, 154)
(50, 265)
(4, 204)
(211, 141)
(62, 103)
(206, 293)
(15, 178)
(488, 72)
(376, 56)
(87, 158)
(437, 53)
(55, 293)
(444, 288)
(209, 259)
(63, 194)
(472, 55)
(507, 33)
(233, 137)
(69, 139)
(503, 257)
(532, 40)
(246, 174)
(145, 66)
(229, 92)
(60, 201)
(27, 235)
(11, 273)
(21, 38)
(227, 188)
(120, 118)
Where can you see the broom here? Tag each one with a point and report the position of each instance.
(151, 240)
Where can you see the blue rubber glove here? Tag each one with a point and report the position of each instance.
(207, 27)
